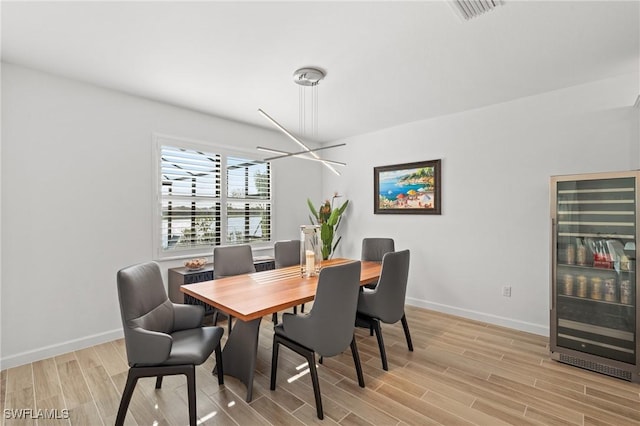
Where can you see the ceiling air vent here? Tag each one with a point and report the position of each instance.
(468, 9)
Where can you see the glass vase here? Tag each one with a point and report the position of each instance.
(310, 250)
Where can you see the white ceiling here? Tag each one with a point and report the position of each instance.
(387, 63)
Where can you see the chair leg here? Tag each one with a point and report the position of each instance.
(320, 360)
(407, 335)
(230, 318)
(218, 366)
(356, 361)
(383, 353)
(311, 358)
(274, 318)
(132, 379)
(215, 317)
(295, 310)
(302, 308)
(365, 321)
(191, 394)
(158, 372)
(274, 362)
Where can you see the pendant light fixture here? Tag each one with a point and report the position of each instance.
(306, 78)
(468, 9)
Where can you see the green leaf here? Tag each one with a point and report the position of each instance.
(312, 208)
(336, 244)
(326, 233)
(313, 222)
(343, 207)
(337, 213)
(333, 218)
(325, 253)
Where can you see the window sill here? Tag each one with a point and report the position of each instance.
(257, 252)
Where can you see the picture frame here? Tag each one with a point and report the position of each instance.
(410, 188)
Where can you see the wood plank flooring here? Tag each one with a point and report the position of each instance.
(462, 372)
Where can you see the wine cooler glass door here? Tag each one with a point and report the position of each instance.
(595, 267)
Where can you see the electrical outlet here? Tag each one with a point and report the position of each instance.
(506, 291)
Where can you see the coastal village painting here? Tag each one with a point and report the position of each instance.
(408, 188)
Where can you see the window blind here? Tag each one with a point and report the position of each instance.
(200, 209)
(248, 201)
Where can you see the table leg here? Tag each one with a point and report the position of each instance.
(241, 351)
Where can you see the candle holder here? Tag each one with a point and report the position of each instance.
(310, 250)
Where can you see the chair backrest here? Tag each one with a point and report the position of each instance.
(286, 253)
(389, 295)
(232, 260)
(143, 303)
(334, 308)
(373, 249)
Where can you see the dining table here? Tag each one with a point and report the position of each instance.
(249, 297)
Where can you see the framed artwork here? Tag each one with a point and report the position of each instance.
(411, 188)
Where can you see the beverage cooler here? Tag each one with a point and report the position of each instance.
(594, 319)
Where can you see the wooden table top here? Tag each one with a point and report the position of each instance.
(251, 296)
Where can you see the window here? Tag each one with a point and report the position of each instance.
(210, 197)
(248, 201)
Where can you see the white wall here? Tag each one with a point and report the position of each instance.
(0, 224)
(76, 199)
(495, 224)
(77, 203)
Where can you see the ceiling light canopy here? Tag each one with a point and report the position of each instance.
(468, 9)
(308, 76)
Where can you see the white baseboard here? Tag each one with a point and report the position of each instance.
(59, 349)
(542, 330)
(96, 339)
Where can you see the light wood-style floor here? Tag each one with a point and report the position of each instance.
(462, 372)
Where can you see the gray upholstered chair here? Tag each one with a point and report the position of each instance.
(230, 261)
(373, 249)
(287, 253)
(327, 329)
(385, 303)
(162, 338)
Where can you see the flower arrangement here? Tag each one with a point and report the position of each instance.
(329, 219)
